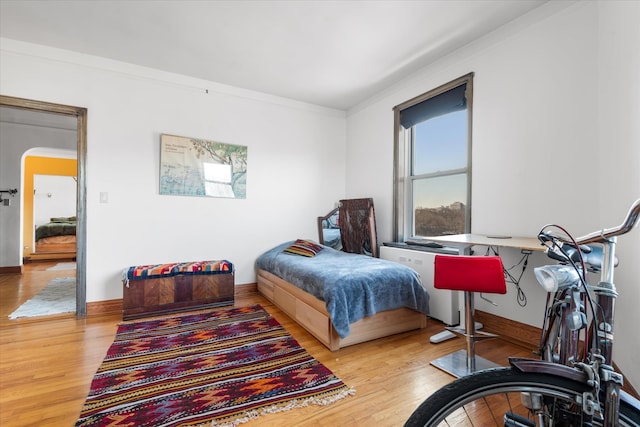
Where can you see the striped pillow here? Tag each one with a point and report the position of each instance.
(304, 248)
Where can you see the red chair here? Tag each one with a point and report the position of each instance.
(471, 274)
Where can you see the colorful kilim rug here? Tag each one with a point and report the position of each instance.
(219, 368)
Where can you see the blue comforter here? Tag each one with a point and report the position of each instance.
(352, 286)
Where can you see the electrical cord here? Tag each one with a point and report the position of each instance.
(521, 297)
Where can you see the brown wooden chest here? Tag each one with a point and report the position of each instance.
(155, 296)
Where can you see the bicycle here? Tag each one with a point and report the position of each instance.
(573, 382)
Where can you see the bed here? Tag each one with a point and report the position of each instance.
(342, 298)
(56, 236)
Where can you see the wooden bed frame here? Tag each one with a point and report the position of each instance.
(65, 244)
(53, 250)
(311, 314)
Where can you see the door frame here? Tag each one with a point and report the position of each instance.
(81, 209)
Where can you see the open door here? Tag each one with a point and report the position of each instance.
(80, 114)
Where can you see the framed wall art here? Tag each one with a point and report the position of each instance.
(198, 167)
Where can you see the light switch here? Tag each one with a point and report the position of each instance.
(104, 197)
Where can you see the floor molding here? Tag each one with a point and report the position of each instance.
(43, 257)
(245, 289)
(99, 308)
(17, 269)
(511, 330)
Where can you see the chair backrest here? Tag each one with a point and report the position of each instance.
(469, 273)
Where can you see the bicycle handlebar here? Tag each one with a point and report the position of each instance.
(629, 222)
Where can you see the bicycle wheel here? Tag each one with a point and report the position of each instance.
(484, 399)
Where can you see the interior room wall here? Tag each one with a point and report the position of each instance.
(555, 140)
(46, 166)
(296, 169)
(15, 141)
(54, 196)
(618, 163)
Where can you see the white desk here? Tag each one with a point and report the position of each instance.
(467, 240)
(463, 242)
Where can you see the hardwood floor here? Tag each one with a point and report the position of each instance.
(16, 289)
(46, 365)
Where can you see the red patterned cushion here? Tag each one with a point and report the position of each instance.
(304, 248)
(174, 269)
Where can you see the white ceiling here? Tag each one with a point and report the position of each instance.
(329, 53)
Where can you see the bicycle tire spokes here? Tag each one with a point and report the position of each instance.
(495, 398)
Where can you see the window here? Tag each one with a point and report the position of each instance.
(432, 175)
(217, 180)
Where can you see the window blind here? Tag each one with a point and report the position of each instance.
(446, 102)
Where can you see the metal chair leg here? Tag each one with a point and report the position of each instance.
(464, 362)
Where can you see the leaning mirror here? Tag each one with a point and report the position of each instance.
(329, 230)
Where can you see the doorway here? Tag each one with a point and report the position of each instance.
(80, 114)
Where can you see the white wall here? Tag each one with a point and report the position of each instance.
(555, 140)
(618, 165)
(53, 196)
(15, 141)
(296, 171)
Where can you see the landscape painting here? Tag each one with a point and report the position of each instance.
(198, 167)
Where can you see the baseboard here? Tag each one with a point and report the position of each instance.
(245, 289)
(99, 308)
(519, 333)
(17, 269)
(53, 256)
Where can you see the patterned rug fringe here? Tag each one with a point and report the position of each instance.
(274, 409)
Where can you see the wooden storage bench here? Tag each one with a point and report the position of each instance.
(151, 290)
